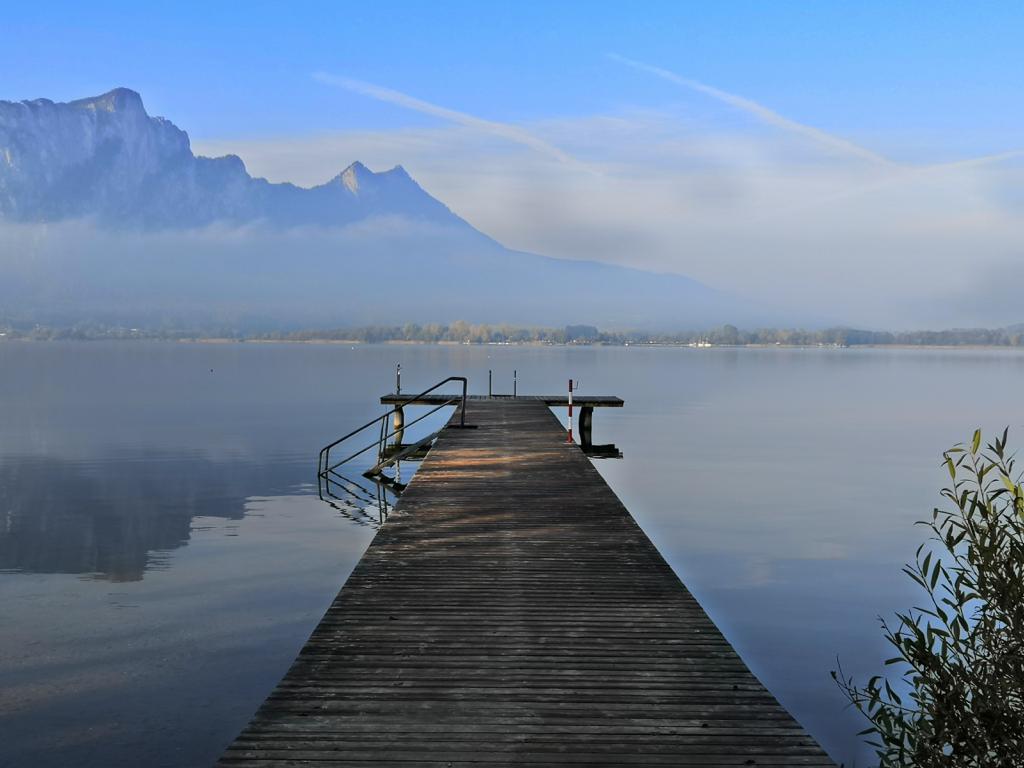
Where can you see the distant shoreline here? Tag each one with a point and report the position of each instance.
(411, 342)
(460, 332)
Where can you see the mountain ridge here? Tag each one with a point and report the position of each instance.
(105, 156)
(108, 215)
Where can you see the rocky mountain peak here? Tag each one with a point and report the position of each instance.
(358, 179)
(352, 176)
(117, 100)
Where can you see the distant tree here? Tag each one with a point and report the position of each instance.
(581, 333)
(458, 331)
(729, 334)
(959, 701)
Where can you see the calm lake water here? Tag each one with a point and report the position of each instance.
(163, 553)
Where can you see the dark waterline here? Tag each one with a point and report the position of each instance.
(163, 554)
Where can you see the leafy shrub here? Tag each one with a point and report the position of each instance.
(959, 698)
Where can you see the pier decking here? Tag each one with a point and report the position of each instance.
(511, 612)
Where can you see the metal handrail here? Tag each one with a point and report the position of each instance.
(383, 437)
(324, 465)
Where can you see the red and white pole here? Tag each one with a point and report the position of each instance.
(569, 439)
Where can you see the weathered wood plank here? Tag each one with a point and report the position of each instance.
(512, 612)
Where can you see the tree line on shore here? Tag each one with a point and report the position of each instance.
(478, 333)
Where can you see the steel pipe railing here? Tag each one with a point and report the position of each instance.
(324, 465)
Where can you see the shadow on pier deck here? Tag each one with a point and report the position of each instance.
(511, 612)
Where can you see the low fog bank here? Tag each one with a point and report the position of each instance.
(392, 271)
(380, 271)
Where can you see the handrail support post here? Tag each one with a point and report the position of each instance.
(462, 418)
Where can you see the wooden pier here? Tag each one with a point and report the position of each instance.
(512, 612)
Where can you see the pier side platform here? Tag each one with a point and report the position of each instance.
(580, 401)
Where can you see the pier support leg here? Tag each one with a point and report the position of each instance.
(398, 424)
(586, 425)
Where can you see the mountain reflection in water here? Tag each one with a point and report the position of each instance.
(117, 519)
(62, 516)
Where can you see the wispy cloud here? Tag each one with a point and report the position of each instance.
(764, 114)
(975, 162)
(892, 174)
(505, 131)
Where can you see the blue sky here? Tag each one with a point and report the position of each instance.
(921, 79)
(862, 160)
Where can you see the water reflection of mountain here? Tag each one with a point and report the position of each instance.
(114, 518)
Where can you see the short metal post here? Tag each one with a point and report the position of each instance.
(515, 381)
(462, 418)
(488, 382)
(398, 380)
